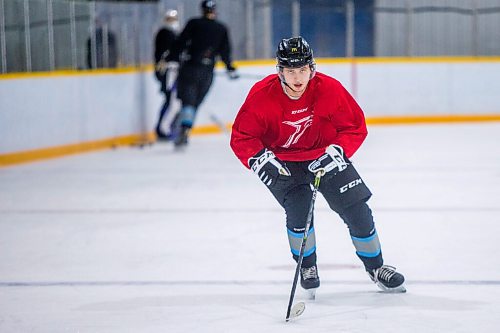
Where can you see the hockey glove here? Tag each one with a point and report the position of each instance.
(161, 67)
(332, 160)
(268, 167)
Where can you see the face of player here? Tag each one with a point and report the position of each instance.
(172, 23)
(296, 80)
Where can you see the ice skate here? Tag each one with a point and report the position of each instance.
(309, 280)
(387, 279)
(161, 136)
(181, 140)
(311, 294)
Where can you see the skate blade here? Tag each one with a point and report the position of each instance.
(400, 289)
(180, 148)
(311, 293)
(296, 310)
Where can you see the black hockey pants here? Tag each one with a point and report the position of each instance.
(193, 83)
(346, 194)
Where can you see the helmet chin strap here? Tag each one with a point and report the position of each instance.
(282, 79)
(286, 84)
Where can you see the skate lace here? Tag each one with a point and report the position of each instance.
(385, 273)
(309, 273)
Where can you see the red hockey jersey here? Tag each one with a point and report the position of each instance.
(297, 130)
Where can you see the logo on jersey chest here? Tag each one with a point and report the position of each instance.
(300, 127)
(299, 111)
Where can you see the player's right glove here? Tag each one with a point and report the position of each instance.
(268, 167)
(333, 160)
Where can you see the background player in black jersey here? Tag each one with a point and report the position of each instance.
(165, 72)
(202, 40)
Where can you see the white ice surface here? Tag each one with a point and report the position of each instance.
(148, 240)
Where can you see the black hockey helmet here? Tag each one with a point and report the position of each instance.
(208, 6)
(294, 52)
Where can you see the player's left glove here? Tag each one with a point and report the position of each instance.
(161, 67)
(333, 159)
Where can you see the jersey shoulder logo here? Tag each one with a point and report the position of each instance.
(300, 127)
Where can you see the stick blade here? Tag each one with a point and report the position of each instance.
(297, 310)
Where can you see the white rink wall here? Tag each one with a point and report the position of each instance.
(390, 89)
(57, 109)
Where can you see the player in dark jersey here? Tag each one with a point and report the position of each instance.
(200, 43)
(297, 123)
(165, 72)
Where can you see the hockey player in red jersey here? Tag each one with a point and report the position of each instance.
(292, 125)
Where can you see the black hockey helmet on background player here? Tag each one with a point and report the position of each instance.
(208, 7)
(294, 52)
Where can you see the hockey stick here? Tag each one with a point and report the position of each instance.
(249, 76)
(300, 307)
(219, 123)
(252, 76)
